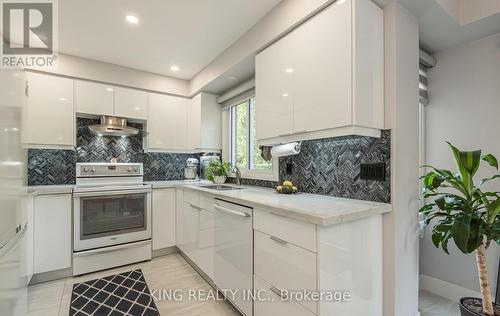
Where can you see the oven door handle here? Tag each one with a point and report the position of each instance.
(110, 193)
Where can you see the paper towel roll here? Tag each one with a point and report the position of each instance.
(285, 150)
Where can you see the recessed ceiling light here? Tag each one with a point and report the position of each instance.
(289, 70)
(285, 94)
(132, 19)
(109, 89)
(62, 99)
(174, 68)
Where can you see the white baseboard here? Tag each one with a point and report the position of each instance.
(445, 289)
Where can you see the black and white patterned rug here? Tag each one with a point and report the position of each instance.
(121, 294)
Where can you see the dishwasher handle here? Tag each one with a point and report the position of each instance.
(226, 210)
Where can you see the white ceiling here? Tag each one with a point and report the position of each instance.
(439, 30)
(186, 33)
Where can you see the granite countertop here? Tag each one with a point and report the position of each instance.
(317, 209)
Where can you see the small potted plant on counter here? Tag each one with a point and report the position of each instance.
(462, 211)
(217, 171)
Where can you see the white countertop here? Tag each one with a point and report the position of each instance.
(317, 209)
(50, 189)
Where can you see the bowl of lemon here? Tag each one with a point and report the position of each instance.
(286, 188)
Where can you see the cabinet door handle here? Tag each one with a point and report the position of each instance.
(302, 131)
(226, 210)
(277, 291)
(279, 240)
(27, 88)
(195, 207)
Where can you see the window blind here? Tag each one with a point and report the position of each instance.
(422, 85)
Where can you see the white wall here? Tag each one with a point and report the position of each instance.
(465, 110)
(401, 109)
(78, 67)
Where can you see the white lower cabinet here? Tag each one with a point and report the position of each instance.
(271, 304)
(276, 260)
(52, 232)
(163, 218)
(196, 230)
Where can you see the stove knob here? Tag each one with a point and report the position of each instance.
(129, 169)
(136, 169)
(92, 170)
(85, 169)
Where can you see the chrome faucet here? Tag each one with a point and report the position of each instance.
(238, 175)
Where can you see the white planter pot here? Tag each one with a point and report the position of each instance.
(219, 179)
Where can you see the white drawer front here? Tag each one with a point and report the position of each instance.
(207, 201)
(284, 265)
(192, 197)
(271, 304)
(296, 232)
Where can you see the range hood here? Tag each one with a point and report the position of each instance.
(113, 126)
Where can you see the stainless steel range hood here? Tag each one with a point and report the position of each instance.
(113, 126)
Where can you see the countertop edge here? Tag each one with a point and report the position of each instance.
(303, 216)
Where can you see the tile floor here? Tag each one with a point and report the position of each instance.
(168, 272)
(432, 305)
(173, 272)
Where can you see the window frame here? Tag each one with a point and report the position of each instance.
(229, 142)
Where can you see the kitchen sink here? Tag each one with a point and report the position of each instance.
(220, 187)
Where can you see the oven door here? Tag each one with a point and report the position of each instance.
(111, 218)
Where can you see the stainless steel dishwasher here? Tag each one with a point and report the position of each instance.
(233, 256)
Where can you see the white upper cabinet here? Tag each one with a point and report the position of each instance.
(184, 125)
(204, 123)
(131, 103)
(325, 78)
(167, 122)
(49, 119)
(102, 99)
(274, 90)
(94, 98)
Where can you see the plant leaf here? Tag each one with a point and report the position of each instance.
(488, 179)
(491, 160)
(466, 165)
(467, 232)
(493, 208)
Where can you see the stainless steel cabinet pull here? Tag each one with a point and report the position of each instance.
(226, 210)
(279, 240)
(195, 207)
(277, 291)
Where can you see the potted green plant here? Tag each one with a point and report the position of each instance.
(217, 171)
(462, 211)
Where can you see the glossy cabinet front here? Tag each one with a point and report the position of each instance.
(94, 98)
(52, 222)
(49, 119)
(167, 122)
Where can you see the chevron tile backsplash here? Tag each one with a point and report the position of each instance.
(331, 166)
(48, 167)
(51, 166)
(325, 166)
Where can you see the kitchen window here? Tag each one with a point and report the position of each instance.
(241, 147)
